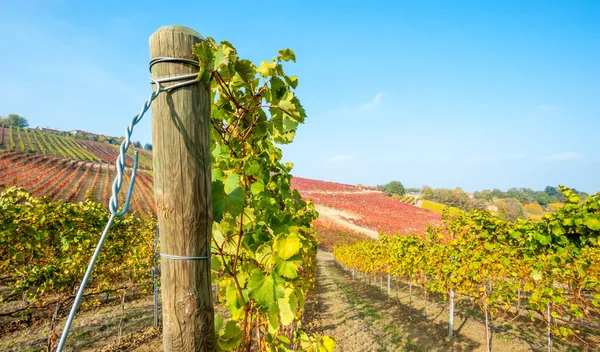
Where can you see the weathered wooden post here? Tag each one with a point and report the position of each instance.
(389, 283)
(182, 191)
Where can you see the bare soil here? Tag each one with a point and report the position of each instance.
(363, 318)
(360, 316)
(95, 328)
(340, 216)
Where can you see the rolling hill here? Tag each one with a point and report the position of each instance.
(66, 168)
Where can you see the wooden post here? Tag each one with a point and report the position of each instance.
(451, 314)
(389, 282)
(182, 190)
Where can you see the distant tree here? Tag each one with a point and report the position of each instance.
(542, 198)
(533, 208)
(137, 145)
(509, 208)
(427, 193)
(485, 194)
(554, 192)
(496, 193)
(148, 146)
(395, 187)
(413, 190)
(479, 204)
(14, 120)
(553, 199)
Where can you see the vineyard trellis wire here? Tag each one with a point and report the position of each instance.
(120, 167)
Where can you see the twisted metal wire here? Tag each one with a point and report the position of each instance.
(113, 205)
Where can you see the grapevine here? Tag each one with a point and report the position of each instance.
(65, 181)
(42, 187)
(29, 141)
(45, 256)
(79, 184)
(98, 168)
(555, 261)
(12, 139)
(39, 144)
(46, 141)
(20, 139)
(57, 147)
(264, 247)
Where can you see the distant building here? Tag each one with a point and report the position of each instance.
(80, 132)
(47, 129)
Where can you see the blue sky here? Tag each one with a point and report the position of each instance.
(471, 94)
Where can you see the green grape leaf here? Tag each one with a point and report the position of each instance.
(592, 222)
(287, 55)
(231, 203)
(218, 323)
(257, 187)
(287, 269)
(231, 182)
(246, 70)
(265, 289)
(292, 81)
(231, 337)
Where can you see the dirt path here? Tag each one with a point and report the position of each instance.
(338, 216)
(362, 318)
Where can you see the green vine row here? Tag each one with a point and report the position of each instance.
(555, 263)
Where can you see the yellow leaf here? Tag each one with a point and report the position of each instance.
(287, 246)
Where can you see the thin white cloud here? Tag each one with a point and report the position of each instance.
(339, 158)
(483, 159)
(375, 102)
(562, 156)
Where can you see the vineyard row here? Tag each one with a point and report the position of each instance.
(552, 266)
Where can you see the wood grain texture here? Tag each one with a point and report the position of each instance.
(182, 190)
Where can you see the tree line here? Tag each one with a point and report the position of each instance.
(511, 205)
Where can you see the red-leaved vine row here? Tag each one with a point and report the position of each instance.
(106, 193)
(28, 169)
(58, 164)
(79, 185)
(147, 186)
(22, 161)
(41, 189)
(65, 181)
(96, 175)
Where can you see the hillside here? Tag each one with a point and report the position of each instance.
(365, 207)
(67, 168)
(27, 140)
(70, 179)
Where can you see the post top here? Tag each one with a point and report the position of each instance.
(177, 28)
